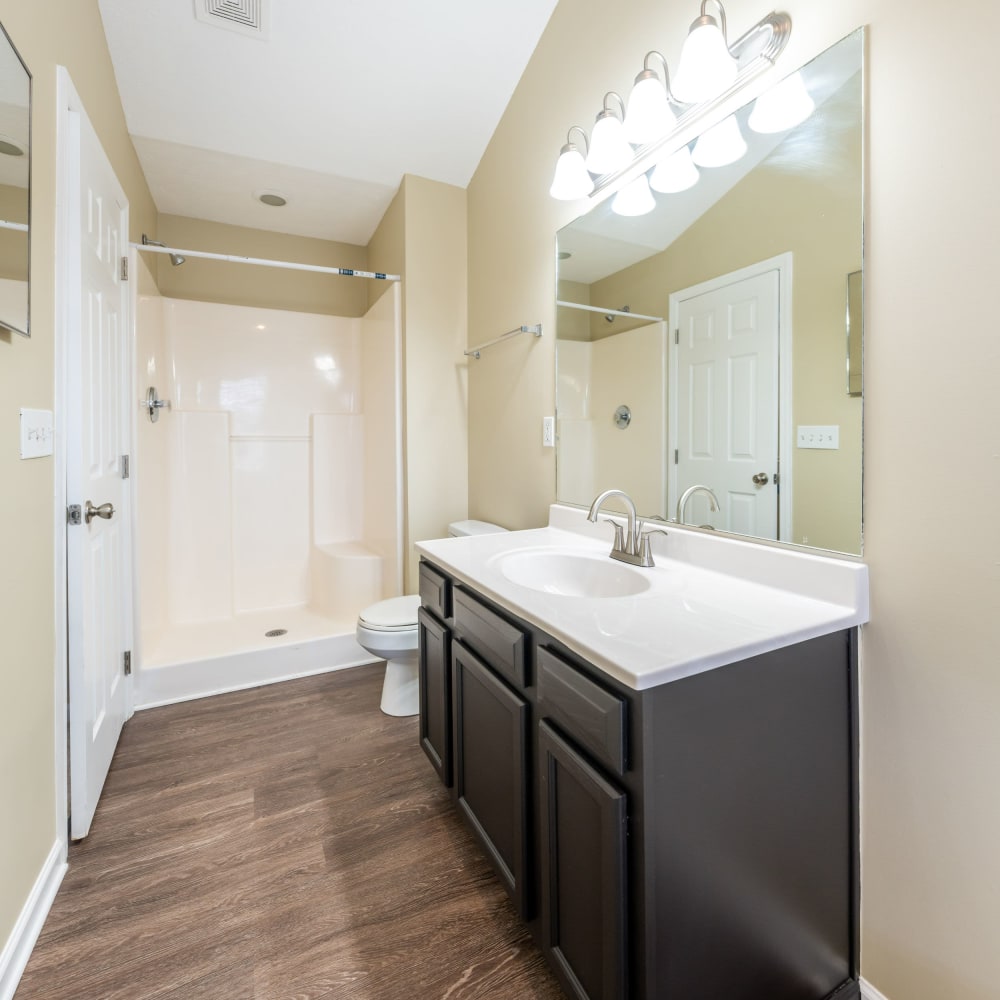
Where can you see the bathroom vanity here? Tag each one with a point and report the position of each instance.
(661, 768)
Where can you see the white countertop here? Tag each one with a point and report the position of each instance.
(712, 600)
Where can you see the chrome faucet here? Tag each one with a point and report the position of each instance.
(713, 501)
(631, 545)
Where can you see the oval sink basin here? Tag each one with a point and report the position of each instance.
(573, 575)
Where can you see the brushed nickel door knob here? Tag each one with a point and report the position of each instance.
(106, 511)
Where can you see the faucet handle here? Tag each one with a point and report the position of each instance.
(619, 543)
(645, 543)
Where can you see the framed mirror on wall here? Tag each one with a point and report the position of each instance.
(15, 188)
(718, 319)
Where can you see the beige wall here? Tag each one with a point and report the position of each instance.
(931, 699)
(267, 287)
(423, 237)
(47, 33)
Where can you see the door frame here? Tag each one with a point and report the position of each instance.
(782, 263)
(67, 295)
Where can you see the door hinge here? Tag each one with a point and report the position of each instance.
(128, 662)
(124, 268)
(677, 337)
(125, 467)
(74, 514)
(677, 456)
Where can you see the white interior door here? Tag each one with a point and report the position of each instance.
(99, 564)
(726, 383)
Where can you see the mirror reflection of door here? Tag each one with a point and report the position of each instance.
(725, 388)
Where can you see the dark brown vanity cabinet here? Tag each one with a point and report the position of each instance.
(691, 841)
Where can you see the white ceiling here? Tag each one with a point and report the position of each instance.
(330, 109)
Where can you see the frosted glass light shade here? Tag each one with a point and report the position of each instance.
(635, 199)
(571, 180)
(649, 116)
(784, 106)
(676, 173)
(722, 144)
(609, 149)
(706, 67)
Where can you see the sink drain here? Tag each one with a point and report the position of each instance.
(275, 632)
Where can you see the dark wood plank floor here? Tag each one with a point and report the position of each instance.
(285, 842)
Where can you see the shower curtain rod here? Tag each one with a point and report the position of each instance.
(347, 272)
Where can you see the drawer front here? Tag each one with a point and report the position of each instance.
(435, 591)
(495, 640)
(590, 714)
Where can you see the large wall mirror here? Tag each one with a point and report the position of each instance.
(704, 343)
(15, 187)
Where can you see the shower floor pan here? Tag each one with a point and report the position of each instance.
(198, 660)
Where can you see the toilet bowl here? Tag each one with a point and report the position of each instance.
(388, 630)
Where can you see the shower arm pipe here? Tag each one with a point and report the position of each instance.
(607, 312)
(288, 265)
(21, 227)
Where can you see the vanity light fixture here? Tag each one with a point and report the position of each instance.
(626, 145)
(707, 66)
(572, 179)
(609, 149)
(784, 106)
(675, 173)
(648, 116)
(721, 145)
(634, 199)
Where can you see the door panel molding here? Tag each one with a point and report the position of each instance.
(782, 263)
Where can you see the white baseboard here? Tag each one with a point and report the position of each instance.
(868, 992)
(176, 682)
(17, 950)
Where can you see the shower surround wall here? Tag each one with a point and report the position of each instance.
(268, 495)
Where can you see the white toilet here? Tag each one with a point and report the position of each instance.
(388, 630)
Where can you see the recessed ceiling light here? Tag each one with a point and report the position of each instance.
(10, 148)
(272, 198)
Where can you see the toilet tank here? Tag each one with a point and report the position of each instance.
(460, 528)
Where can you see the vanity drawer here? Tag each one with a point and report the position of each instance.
(494, 639)
(435, 591)
(591, 715)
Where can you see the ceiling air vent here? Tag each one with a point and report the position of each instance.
(247, 17)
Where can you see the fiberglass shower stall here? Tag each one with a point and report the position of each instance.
(268, 492)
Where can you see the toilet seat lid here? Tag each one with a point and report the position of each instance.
(397, 613)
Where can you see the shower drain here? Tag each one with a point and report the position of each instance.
(275, 632)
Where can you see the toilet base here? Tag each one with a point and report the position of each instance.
(401, 688)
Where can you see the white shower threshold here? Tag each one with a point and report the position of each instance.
(207, 658)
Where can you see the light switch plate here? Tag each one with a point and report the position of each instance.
(826, 436)
(548, 432)
(36, 433)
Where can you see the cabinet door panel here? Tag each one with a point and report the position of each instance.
(583, 861)
(491, 747)
(435, 693)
